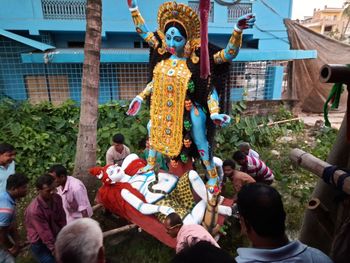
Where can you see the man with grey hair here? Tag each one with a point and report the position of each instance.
(245, 148)
(80, 241)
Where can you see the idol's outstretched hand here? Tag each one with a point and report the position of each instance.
(134, 106)
(221, 120)
(132, 3)
(246, 21)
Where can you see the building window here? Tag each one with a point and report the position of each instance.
(75, 44)
(53, 88)
(141, 44)
(195, 6)
(132, 79)
(327, 28)
(238, 10)
(64, 9)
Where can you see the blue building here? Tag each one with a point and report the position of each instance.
(41, 48)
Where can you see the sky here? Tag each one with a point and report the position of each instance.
(303, 8)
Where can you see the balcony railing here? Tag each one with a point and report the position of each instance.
(195, 6)
(64, 9)
(235, 11)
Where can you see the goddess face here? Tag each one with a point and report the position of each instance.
(175, 41)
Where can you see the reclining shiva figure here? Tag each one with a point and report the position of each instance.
(159, 194)
(184, 107)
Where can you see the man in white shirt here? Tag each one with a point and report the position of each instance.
(7, 163)
(118, 151)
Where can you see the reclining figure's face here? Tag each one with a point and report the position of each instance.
(115, 173)
(175, 41)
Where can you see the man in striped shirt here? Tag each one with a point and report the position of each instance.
(254, 167)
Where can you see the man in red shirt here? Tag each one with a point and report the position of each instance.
(44, 218)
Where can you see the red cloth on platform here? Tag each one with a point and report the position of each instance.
(110, 197)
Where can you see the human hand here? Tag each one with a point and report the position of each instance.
(132, 3)
(221, 120)
(134, 106)
(14, 250)
(245, 21)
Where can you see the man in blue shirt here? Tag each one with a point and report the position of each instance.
(15, 189)
(7, 164)
(262, 218)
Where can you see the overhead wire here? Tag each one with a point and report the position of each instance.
(266, 31)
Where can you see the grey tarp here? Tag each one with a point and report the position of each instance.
(306, 87)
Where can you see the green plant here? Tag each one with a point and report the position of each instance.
(324, 142)
(44, 134)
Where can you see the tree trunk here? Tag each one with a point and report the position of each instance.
(87, 136)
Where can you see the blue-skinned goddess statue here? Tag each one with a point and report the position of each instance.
(184, 109)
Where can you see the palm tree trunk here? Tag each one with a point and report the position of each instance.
(87, 141)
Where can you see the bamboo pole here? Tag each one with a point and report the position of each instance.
(96, 207)
(280, 122)
(118, 230)
(317, 166)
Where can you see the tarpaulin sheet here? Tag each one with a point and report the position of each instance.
(310, 93)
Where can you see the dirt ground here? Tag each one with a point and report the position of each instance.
(335, 118)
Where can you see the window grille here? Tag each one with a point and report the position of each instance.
(195, 6)
(64, 9)
(57, 82)
(238, 10)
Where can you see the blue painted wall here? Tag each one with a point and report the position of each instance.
(27, 15)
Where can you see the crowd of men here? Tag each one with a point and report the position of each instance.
(61, 200)
(59, 227)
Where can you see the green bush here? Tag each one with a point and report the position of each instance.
(44, 134)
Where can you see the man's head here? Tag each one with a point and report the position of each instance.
(46, 187)
(59, 174)
(203, 252)
(16, 185)
(80, 241)
(118, 142)
(261, 211)
(240, 158)
(173, 223)
(244, 147)
(7, 154)
(228, 167)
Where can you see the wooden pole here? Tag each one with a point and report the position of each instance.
(317, 166)
(96, 207)
(280, 122)
(118, 230)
